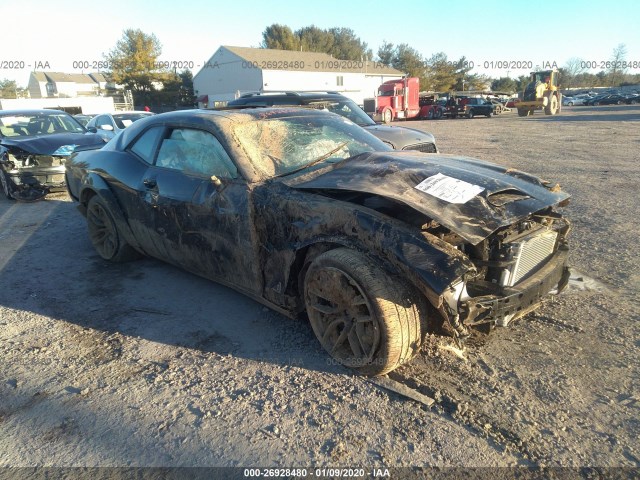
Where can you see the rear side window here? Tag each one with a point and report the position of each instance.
(195, 152)
(144, 146)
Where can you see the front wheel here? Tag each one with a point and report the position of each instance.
(104, 234)
(470, 114)
(552, 106)
(363, 317)
(387, 116)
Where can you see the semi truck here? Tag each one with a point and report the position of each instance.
(401, 99)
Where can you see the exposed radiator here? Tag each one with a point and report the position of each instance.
(529, 252)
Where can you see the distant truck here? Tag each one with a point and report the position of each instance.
(401, 99)
(469, 107)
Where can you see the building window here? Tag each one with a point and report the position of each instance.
(51, 89)
(339, 81)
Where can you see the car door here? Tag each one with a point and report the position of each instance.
(201, 209)
(128, 185)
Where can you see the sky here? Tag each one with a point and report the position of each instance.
(498, 34)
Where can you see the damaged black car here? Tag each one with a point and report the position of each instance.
(34, 145)
(313, 216)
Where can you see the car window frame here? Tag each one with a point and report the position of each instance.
(168, 129)
(156, 146)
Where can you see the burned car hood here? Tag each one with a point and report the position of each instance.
(48, 144)
(400, 136)
(489, 196)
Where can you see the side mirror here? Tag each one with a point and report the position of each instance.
(92, 129)
(216, 181)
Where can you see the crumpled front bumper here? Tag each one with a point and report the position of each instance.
(29, 184)
(499, 305)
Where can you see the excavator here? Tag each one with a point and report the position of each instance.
(541, 93)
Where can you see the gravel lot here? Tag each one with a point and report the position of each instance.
(144, 365)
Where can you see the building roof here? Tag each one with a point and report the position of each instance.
(39, 76)
(293, 60)
(69, 77)
(98, 77)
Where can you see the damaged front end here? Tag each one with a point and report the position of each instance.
(506, 227)
(516, 268)
(29, 177)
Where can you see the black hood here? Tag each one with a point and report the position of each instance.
(47, 144)
(507, 195)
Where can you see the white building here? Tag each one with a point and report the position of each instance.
(65, 85)
(232, 71)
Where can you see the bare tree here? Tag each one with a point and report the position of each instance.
(617, 68)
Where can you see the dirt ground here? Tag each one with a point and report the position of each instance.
(142, 364)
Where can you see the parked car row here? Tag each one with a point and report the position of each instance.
(602, 99)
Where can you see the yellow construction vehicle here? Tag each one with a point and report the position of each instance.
(541, 93)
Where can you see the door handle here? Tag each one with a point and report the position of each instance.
(150, 182)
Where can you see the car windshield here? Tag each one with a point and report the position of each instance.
(123, 120)
(350, 110)
(283, 145)
(29, 124)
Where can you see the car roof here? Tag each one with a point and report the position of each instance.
(31, 111)
(201, 117)
(294, 97)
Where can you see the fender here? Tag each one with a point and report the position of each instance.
(93, 184)
(430, 264)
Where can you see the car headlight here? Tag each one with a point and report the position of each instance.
(65, 150)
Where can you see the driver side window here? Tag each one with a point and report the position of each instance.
(195, 152)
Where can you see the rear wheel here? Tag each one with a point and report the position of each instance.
(489, 114)
(523, 112)
(364, 318)
(104, 234)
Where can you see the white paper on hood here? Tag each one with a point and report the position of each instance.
(449, 189)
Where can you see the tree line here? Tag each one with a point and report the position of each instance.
(438, 73)
(134, 63)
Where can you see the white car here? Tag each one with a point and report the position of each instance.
(108, 124)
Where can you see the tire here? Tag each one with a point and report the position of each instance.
(5, 185)
(596, 103)
(364, 318)
(552, 106)
(523, 112)
(470, 114)
(489, 114)
(438, 114)
(430, 115)
(104, 234)
(387, 116)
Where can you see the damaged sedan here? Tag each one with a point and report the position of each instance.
(313, 216)
(34, 145)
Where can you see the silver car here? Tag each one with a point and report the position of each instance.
(107, 125)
